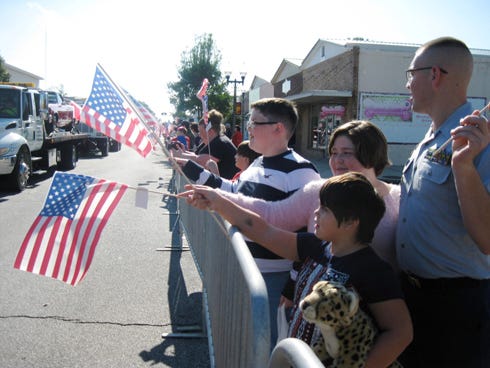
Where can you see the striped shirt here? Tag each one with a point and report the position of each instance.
(269, 178)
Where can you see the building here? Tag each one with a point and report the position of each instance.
(18, 75)
(341, 81)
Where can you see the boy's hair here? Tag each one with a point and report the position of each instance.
(351, 196)
(371, 148)
(244, 150)
(280, 110)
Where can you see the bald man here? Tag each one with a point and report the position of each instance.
(443, 234)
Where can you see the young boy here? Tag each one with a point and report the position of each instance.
(349, 211)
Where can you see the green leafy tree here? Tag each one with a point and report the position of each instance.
(4, 74)
(201, 61)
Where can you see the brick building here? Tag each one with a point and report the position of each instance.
(341, 81)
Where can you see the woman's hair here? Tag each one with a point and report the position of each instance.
(244, 150)
(351, 196)
(371, 148)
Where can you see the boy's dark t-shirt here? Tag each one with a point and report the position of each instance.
(372, 278)
(224, 150)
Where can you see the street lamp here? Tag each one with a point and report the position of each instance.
(235, 82)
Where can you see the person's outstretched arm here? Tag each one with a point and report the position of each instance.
(281, 242)
(292, 213)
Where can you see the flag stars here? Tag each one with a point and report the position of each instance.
(65, 195)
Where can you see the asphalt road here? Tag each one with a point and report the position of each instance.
(136, 289)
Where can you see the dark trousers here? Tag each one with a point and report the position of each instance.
(451, 321)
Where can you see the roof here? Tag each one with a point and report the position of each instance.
(18, 70)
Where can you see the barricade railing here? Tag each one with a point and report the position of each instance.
(294, 353)
(238, 324)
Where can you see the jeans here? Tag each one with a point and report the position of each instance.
(275, 282)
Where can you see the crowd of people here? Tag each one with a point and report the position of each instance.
(417, 253)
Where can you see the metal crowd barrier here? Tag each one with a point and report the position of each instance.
(237, 312)
(294, 353)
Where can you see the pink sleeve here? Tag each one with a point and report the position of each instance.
(291, 214)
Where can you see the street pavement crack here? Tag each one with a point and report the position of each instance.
(79, 321)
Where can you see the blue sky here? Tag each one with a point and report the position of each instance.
(139, 43)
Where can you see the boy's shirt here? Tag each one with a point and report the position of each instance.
(372, 278)
(269, 178)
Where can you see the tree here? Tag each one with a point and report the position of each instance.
(4, 74)
(202, 61)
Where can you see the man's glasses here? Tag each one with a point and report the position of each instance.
(410, 72)
(251, 124)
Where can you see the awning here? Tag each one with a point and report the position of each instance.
(314, 96)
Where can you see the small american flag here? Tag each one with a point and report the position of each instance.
(62, 240)
(107, 111)
(201, 94)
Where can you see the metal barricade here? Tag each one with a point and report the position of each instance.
(294, 353)
(237, 303)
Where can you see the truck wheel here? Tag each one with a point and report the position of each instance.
(20, 176)
(114, 146)
(103, 146)
(69, 156)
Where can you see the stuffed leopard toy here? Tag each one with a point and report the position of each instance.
(348, 333)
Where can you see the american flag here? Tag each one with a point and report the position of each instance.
(107, 111)
(201, 94)
(150, 121)
(62, 240)
(77, 110)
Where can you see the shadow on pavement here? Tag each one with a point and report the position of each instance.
(185, 309)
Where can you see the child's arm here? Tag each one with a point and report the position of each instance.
(395, 325)
(281, 242)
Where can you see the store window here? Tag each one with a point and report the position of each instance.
(323, 123)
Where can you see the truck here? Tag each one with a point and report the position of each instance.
(34, 136)
(59, 114)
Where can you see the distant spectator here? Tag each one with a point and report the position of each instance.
(182, 137)
(195, 132)
(189, 135)
(228, 130)
(237, 137)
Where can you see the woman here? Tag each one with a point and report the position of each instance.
(354, 146)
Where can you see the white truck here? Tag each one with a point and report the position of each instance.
(29, 141)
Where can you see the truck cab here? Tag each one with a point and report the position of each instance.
(24, 144)
(21, 131)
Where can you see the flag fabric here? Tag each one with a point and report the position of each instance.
(202, 95)
(77, 110)
(150, 121)
(107, 111)
(62, 240)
